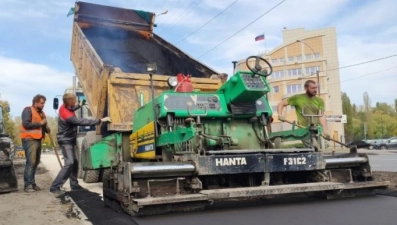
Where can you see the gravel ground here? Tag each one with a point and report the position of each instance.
(39, 207)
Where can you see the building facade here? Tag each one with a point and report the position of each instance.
(305, 55)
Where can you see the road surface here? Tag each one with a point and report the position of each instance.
(383, 160)
(380, 210)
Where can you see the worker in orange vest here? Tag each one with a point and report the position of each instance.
(33, 129)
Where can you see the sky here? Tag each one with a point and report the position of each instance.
(36, 40)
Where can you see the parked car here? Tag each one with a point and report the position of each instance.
(390, 143)
(361, 144)
(371, 144)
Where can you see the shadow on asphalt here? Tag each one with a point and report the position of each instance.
(93, 207)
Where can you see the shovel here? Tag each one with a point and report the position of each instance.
(55, 148)
(325, 137)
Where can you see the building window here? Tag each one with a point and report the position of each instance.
(281, 60)
(274, 61)
(291, 58)
(312, 70)
(308, 56)
(294, 72)
(293, 88)
(299, 58)
(317, 55)
(277, 74)
(274, 108)
(276, 89)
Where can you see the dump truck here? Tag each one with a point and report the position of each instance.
(8, 179)
(182, 135)
(110, 56)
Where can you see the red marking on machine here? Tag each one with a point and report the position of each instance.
(184, 83)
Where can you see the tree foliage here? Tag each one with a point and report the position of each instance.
(9, 124)
(380, 120)
(348, 110)
(52, 123)
(12, 127)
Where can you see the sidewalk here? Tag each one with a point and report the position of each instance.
(51, 163)
(40, 207)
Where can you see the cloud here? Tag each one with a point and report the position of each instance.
(366, 30)
(380, 86)
(21, 80)
(368, 15)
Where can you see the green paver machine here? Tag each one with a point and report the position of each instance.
(182, 136)
(8, 179)
(190, 148)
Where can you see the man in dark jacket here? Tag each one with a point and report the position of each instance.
(32, 132)
(66, 137)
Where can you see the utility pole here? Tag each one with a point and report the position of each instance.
(365, 131)
(318, 80)
(317, 71)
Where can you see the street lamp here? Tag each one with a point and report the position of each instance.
(317, 71)
(155, 16)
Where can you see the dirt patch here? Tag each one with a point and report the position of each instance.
(39, 207)
(387, 176)
(19, 167)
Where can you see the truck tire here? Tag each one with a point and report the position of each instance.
(89, 176)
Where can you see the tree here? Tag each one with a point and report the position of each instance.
(368, 115)
(385, 126)
(348, 110)
(385, 108)
(354, 110)
(395, 105)
(52, 123)
(8, 122)
(17, 130)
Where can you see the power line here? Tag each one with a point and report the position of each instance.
(194, 3)
(374, 60)
(207, 22)
(174, 17)
(241, 29)
(343, 67)
(368, 74)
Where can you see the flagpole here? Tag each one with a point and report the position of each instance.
(265, 41)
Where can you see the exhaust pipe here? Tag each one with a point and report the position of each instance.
(343, 161)
(161, 169)
(234, 66)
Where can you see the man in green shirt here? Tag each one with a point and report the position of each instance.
(311, 105)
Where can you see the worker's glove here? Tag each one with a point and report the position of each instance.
(106, 119)
(281, 118)
(43, 122)
(326, 136)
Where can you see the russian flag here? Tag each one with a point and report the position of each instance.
(260, 37)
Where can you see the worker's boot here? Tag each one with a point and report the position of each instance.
(29, 188)
(58, 193)
(36, 188)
